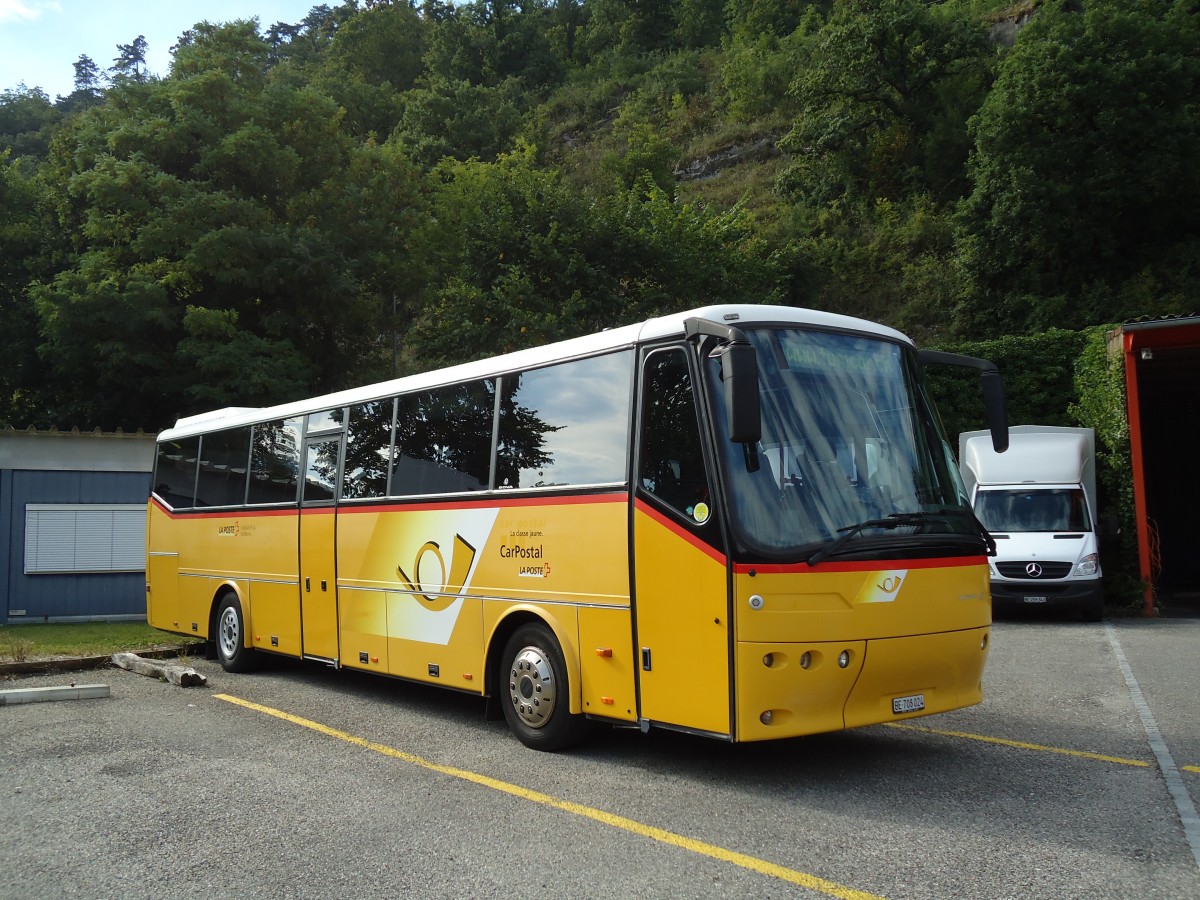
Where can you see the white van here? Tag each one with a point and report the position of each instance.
(1038, 500)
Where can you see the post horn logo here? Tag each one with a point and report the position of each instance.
(441, 591)
(891, 584)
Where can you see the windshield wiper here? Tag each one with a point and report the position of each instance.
(897, 520)
(988, 540)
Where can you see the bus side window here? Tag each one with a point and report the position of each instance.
(671, 463)
(275, 462)
(175, 472)
(444, 440)
(369, 449)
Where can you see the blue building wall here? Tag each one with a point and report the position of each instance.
(76, 595)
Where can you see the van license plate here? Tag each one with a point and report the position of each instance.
(915, 703)
(1035, 599)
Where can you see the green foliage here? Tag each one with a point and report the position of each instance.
(1086, 188)
(645, 155)
(22, 256)
(1039, 380)
(875, 87)
(757, 74)
(213, 234)
(242, 229)
(27, 121)
(526, 259)
(1099, 404)
(459, 120)
(24, 643)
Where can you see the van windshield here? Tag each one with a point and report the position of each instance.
(1043, 509)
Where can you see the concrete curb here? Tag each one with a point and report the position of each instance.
(51, 694)
(72, 664)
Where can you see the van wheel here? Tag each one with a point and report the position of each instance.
(1093, 610)
(534, 691)
(232, 652)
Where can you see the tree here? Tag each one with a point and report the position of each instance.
(1086, 200)
(522, 259)
(232, 245)
(372, 58)
(88, 84)
(130, 62)
(22, 256)
(884, 91)
(459, 120)
(27, 121)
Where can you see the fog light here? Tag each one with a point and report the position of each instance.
(766, 717)
(805, 660)
(843, 659)
(769, 660)
(983, 643)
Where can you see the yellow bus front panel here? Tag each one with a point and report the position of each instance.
(790, 689)
(912, 636)
(860, 600)
(945, 670)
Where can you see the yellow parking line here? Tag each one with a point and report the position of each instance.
(1082, 754)
(760, 866)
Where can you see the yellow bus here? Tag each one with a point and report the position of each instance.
(738, 521)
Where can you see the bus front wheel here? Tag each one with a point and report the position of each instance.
(534, 691)
(232, 651)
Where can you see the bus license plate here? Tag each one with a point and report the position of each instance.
(1035, 599)
(915, 703)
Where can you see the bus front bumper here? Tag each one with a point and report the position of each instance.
(882, 680)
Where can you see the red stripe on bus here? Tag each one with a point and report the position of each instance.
(871, 565)
(679, 531)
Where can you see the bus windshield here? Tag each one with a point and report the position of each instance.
(850, 444)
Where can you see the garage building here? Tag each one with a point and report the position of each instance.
(73, 525)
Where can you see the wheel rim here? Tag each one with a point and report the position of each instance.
(229, 633)
(532, 687)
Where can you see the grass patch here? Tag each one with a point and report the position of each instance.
(27, 643)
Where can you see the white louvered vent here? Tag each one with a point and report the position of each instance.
(79, 537)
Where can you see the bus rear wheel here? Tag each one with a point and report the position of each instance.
(232, 652)
(534, 690)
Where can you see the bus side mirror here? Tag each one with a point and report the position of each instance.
(739, 377)
(990, 384)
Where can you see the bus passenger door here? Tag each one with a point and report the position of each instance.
(318, 568)
(680, 568)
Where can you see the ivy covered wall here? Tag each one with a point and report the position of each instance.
(1061, 377)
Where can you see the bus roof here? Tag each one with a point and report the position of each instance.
(612, 339)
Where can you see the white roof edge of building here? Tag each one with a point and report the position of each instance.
(76, 451)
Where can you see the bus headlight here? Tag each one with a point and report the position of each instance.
(1089, 565)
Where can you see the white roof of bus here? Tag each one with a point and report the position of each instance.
(615, 338)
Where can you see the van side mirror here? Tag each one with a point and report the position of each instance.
(991, 385)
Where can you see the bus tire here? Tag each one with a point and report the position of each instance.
(230, 638)
(534, 690)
